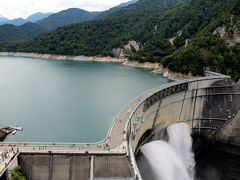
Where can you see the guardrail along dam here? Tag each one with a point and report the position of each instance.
(209, 105)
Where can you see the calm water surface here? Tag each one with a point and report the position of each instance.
(66, 101)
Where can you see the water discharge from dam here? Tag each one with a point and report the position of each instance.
(173, 159)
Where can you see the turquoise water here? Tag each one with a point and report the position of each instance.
(66, 101)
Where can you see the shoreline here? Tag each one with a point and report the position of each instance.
(62, 57)
(156, 67)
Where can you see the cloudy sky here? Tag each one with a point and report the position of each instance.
(23, 8)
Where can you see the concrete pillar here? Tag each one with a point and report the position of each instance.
(91, 168)
(50, 163)
(71, 167)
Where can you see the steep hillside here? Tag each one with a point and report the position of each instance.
(65, 17)
(207, 34)
(216, 47)
(9, 32)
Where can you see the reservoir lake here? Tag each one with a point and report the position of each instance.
(67, 101)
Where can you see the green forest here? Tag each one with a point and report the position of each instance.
(152, 23)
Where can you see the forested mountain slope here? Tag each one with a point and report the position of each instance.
(98, 37)
(9, 32)
(181, 35)
(215, 45)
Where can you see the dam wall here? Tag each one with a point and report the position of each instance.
(206, 104)
(73, 166)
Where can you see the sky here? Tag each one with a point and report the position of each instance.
(23, 8)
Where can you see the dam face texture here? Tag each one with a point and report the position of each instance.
(209, 105)
(55, 166)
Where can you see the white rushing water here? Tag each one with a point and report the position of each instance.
(173, 159)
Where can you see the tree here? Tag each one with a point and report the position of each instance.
(15, 174)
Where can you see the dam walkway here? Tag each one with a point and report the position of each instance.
(114, 143)
(6, 158)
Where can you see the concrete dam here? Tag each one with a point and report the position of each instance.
(209, 105)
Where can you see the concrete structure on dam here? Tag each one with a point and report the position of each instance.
(208, 104)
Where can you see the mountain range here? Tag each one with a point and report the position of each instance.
(3, 19)
(69, 16)
(183, 35)
(47, 22)
(9, 32)
(39, 23)
(20, 21)
(37, 17)
(64, 17)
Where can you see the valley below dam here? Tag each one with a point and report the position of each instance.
(66, 101)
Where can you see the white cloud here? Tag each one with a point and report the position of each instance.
(23, 8)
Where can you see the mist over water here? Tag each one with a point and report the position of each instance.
(180, 138)
(170, 160)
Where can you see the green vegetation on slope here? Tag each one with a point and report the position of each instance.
(9, 32)
(208, 50)
(152, 23)
(98, 37)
